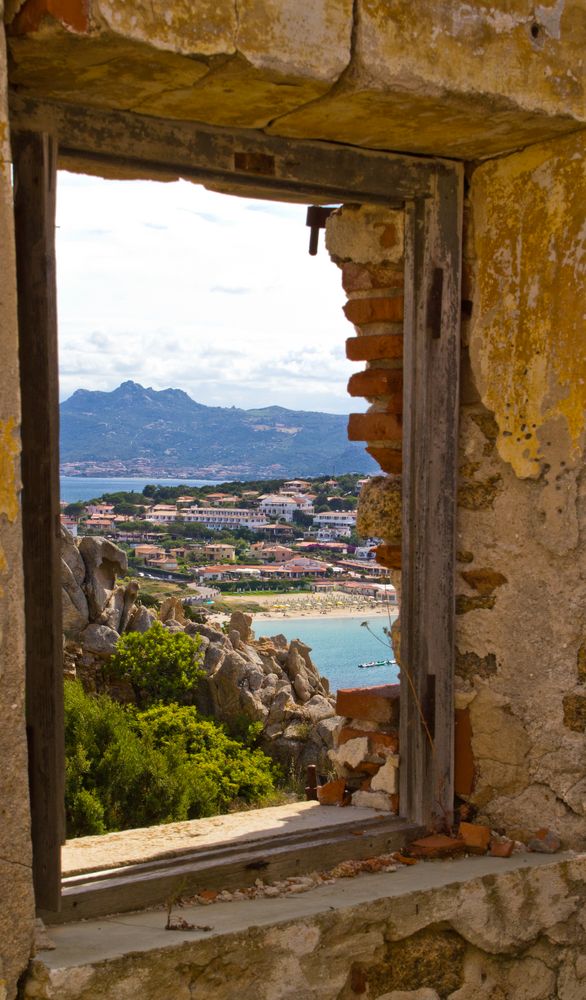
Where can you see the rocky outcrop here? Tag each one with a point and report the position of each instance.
(271, 681)
(268, 680)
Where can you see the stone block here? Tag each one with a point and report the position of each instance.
(484, 581)
(365, 234)
(545, 842)
(375, 704)
(351, 754)
(380, 508)
(380, 310)
(386, 779)
(389, 555)
(375, 427)
(372, 800)
(375, 347)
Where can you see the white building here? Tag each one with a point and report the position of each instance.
(225, 518)
(281, 506)
(336, 520)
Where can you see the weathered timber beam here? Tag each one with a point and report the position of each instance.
(35, 156)
(245, 160)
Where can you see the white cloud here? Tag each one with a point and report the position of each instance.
(175, 286)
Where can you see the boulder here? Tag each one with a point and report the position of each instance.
(70, 555)
(99, 640)
(103, 562)
(140, 619)
(113, 610)
(130, 597)
(172, 607)
(242, 624)
(74, 602)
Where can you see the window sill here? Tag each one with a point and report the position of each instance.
(136, 869)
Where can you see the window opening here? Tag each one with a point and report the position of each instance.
(431, 194)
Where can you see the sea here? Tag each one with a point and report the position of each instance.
(75, 488)
(338, 645)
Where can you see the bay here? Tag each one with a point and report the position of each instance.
(338, 645)
(75, 488)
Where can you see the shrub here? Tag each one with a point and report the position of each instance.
(160, 665)
(126, 768)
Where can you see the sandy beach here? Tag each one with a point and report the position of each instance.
(331, 605)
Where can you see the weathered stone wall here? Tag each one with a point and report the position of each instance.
(459, 934)
(521, 627)
(16, 908)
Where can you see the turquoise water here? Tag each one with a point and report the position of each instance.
(74, 488)
(338, 645)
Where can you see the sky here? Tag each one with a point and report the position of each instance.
(174, 286)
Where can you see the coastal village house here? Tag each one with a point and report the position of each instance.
(449, 137)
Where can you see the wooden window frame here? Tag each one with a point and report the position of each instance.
(430, 191)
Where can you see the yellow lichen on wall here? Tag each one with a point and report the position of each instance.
(9, 449)
(528, 337)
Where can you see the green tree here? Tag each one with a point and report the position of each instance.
(160, 665)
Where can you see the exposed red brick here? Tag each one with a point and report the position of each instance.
(373, 704)
(365, 785)
(376, 382)
(332, 793)
(395, 803)
(393, 403)
(364, 278)
(382, 310)
(501, 848)
(475, 836)
(389, 459)
(375, 427)
(437, 846)
(375, 347)
(73, 14)
(388, 555)
(463, 758)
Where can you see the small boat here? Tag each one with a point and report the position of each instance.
(376, 663)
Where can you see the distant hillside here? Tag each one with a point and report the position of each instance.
(133, 430)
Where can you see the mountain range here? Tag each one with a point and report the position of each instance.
(138, 431)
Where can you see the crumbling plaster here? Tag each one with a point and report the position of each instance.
(16, 911)
(522, 498)
(466, 80)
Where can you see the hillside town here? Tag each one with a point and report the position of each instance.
(300, 535)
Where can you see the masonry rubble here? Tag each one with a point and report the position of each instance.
(365, 757)
(267, 680)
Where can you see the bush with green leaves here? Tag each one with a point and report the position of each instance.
(161, 666)
(128, 768)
